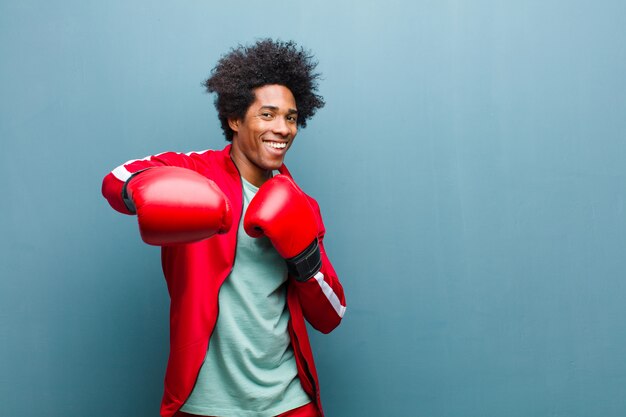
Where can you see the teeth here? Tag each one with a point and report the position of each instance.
(276, 145)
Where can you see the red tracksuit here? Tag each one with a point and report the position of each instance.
(194, 273)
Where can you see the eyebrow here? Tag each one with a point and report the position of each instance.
(275, 108)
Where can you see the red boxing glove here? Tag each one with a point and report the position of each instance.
(177, 205)
(281, 211)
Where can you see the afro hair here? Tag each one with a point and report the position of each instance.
(266, 62)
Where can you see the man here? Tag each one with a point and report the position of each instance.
(242, 246)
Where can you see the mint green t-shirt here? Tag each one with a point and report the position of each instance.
(249, 369)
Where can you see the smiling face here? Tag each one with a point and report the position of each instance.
(261, 139)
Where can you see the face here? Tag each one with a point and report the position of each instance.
(265, 134)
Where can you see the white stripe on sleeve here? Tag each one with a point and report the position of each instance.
(330, 294)
(121, 173)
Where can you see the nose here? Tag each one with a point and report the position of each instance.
(281, 127)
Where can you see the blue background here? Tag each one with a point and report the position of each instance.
(470, 166)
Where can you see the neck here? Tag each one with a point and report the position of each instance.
(251, 173)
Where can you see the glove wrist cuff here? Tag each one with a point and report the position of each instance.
(130, 205)
(303, 266)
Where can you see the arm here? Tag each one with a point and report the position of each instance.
(114, 181)
(292, 222)
(321, 297)
(173, 204)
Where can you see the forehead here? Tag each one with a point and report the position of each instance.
(274, 95)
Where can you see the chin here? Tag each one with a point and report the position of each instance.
(273, 165)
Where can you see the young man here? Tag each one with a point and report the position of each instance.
(242, 246)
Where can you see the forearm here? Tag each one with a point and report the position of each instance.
(174, 201)
(322, 297)
(113, 183)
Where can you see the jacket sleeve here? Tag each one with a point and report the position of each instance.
(114, 181)
(321, 297)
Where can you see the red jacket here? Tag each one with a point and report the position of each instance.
(194, 273)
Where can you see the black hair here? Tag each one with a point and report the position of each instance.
(266, 62)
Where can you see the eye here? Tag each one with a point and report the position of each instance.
(292, 118)
(267, 115)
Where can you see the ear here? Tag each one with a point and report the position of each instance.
(233, 123)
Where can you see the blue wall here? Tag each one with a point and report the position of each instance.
(470, 164)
